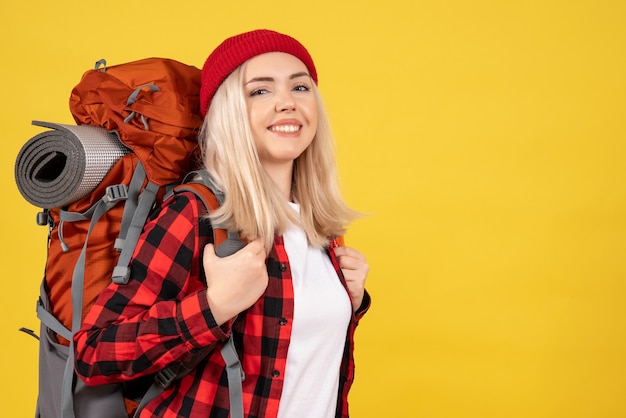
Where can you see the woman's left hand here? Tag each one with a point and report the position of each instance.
(355, 269)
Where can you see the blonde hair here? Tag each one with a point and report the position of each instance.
(253, 205)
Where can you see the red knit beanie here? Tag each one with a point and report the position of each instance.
(238, 49)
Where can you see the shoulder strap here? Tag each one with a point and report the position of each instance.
(226, 243)
(210, 202)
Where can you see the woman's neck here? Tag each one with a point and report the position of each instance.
(282, 177)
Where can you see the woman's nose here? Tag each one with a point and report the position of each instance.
(285, 102)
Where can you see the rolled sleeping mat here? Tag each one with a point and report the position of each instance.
(63, 165)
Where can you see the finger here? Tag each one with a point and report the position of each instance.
(352, 263)
(209, 252)
(350, 252)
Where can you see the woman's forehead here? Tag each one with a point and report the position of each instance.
(273, 64)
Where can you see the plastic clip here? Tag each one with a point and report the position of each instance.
(165, 377)
(42, 218)
(115, 193)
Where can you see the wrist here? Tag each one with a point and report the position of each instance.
(220, 316)
(356, 303)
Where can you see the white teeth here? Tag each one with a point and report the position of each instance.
(284, 128)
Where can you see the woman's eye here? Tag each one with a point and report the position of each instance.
(258, 92)
(302, 87)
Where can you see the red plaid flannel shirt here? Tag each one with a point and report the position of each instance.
(162, 316)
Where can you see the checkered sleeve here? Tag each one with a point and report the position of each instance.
(162, 314)
(365, 306)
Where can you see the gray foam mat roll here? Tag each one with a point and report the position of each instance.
(66, 163)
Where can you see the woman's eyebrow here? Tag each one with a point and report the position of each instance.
(257, 79)
(300, 74)
(270, 79)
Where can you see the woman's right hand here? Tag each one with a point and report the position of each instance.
(235, 282)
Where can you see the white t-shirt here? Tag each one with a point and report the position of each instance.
(322, 312)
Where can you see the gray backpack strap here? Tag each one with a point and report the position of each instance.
(136, 182)
(78, 280)
(234, 371)
(113, 194)
(154, 391)
(121, 272)
(50, 320)
(164, 378)
(235, 377)
(232, 243)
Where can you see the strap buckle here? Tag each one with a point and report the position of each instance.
(42, 218)
(165, 377)
(115, 193)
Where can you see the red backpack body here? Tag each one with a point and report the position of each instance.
(151, 107)
(154, 106)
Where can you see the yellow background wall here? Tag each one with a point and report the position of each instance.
(485, 138)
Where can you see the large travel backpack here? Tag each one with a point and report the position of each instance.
(97, 183)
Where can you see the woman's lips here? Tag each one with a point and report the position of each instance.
(286, 126)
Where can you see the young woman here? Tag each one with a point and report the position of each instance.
(291, 297)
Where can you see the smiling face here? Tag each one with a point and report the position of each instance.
(282, 108)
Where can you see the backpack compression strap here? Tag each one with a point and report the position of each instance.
(128, 238)
(114, 195)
